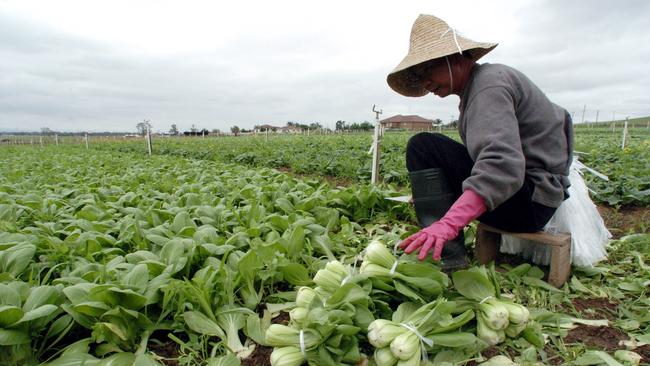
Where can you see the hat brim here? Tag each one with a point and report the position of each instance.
(398, 81)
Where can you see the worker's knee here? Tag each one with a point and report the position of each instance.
(424, 139)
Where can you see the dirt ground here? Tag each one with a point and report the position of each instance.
(626, 220)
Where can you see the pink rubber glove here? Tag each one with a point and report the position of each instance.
(466, 208)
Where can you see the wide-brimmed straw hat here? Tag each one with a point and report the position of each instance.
(432, 38)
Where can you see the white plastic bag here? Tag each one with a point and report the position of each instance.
(577, 215)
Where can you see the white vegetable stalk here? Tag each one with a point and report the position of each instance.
(374, 270)
(305, 297)
(628, 357)
(499, 361)
(278, 335)
(287, 356)
(517, 313)
(384, 357)
(382, 332)
(406, 345)
(330, 278)
(299, 315)
(487, 334)
(413, 361)
(513, 330)
(377, 253)
(338, 268)
(494, 314)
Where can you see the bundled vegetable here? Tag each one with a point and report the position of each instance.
(416, 330)
(418, 281)
(324, 324)
(496, 318)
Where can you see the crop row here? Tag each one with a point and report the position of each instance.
(346, 157)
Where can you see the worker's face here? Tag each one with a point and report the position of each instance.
(433, 76)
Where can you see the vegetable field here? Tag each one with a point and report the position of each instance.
(202, 254)
(345, 157)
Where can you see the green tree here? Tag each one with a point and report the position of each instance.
(174, 130)
(365, 125)
(143, 127)
(235, 130)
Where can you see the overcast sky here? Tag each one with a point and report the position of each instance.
(107, 65)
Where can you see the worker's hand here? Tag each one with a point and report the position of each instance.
(466, 208)
(434, 236)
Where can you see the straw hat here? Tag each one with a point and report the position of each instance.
(431, 38)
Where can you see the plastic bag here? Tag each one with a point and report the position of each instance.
(577, 215)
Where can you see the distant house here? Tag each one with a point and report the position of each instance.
(411, 123)
(289, 129)
(265, 127)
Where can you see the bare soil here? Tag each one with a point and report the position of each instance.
(625, 220)
(167, 350)
(595, 308)
(601, 338)
(260, 357)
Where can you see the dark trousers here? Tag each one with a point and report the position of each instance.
(517, 214)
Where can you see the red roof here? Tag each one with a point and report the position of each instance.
(411, 119)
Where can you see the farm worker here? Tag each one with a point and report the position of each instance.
(510, 172)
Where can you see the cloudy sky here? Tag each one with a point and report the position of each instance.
(107, 65)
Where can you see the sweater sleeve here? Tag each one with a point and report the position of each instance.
(493, 143)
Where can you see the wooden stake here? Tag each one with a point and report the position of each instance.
(374, 177)
(624, 133)
(150, 148)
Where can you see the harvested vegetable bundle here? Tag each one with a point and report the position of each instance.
(496, 317)
(420, 282)
(416, 330)
(325, 322)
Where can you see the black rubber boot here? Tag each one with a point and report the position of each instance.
(432, 198)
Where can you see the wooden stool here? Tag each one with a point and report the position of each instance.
(488, 242)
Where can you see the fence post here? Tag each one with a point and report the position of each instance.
(374, 177)
(149, 147)
(86, 138)
(56, 139)
(624, 133)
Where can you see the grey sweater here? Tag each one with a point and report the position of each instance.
(512, 131)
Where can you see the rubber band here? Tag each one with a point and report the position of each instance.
(393, 268)
(395, 248)
(486, 299)
(345, 279)
(412, 328)
(302, 343)
(423, 340)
